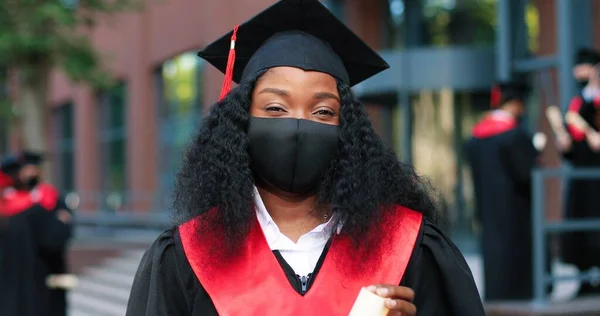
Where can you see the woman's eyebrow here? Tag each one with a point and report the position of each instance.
(325, 95)
(279, 92)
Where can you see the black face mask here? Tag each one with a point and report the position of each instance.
(28, 184)
(582, 83)
(32, 182)
(291, 154)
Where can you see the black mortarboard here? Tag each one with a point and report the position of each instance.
(10, 164)
(13, 163)
(31, 158)
(587, 56)
(295, 33)
(506, 91)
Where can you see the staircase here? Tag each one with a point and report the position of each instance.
(103, 290)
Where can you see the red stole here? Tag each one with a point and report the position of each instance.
(5, 180)
(255, 284)
(574, 106)
(17, 201)
(495, 123)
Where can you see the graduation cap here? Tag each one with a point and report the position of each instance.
(31, 158)
(295, 33)
(10, 164)
(13, 163)
(587, 56)
(503, 92)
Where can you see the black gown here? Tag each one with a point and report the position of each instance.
(23, 271)
(166, 285)
(583, 201)
(501, 165)
(56, 263)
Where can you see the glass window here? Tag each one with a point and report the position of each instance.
(63, 161)
(112, 139)
(180, 94)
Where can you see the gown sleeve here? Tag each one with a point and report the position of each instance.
(161, 287)
(520, 157)
(441, 278)
(51, 233)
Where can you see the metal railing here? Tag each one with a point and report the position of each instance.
(120, 209)
(541, 227)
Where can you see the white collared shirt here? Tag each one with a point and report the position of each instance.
(589, 93)
(301, 256)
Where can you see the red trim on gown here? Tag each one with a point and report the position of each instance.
(575, 106)
(5, 180)
(493, 124)
(255, 284)
(17, 201)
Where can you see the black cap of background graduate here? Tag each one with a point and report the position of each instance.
(506, 91)
(14, 163)
(295, 33)
(31, 158)
(587, 56)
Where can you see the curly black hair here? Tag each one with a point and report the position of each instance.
(358, 185)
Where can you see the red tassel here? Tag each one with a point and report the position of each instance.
(495, 97)
(230, 63)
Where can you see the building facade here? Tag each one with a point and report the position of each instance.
(119, 149)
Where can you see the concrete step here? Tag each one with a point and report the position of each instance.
(109, 292)
(108, 276)
(91, 304)
(124, 265)
(585, 306)
(78, 312)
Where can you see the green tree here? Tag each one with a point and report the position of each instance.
(38, 36)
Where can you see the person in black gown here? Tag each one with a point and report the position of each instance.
(49, 198)
(502, 155)
(28, 230)
(287, 201)
(583, 200)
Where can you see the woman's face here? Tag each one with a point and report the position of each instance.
(288, 92)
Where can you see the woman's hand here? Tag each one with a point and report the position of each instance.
(399, 299)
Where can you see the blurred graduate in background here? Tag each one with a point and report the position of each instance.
(582, 150)
(502, 155)
(35, 234)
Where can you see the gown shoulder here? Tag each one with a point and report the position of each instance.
(440, 276)
(164, 283)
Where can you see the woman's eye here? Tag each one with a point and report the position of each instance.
(324, 112)
(274, 109)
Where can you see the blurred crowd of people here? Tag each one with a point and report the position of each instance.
(35, 228)
(502, 154)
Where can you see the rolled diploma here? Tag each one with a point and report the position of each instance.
(555, 118)
(62, 281)
(368, 304)
(577, 121)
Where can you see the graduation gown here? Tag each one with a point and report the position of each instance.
(56, 263)
(165, 283)
(583, 199)
(502, 155)
(23, 271)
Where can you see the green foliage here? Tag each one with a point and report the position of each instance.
(468, 23)
(39, 35)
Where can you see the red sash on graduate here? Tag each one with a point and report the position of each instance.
(5, 180)
(495, 123)
(575, 106)
(255, 284)
(17, 201)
